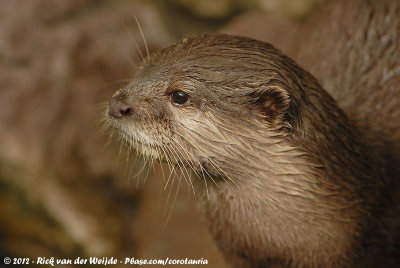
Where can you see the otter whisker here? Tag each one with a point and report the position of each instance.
(182, 166)
(188, 159)
(170, 166)
(205, 183)
(103, 125)
(133, 40)
(109, 139)
(169, 195)
(171, 175)
(124, 150)
(179, 160)
(144, 39)
(223, 174)
(144, 166)
(172, 171)
(133, 64)
(148, 169)
(100, 107)
(152, 156)
(159, 150)
(188, 179)
(166, 156)
(174, 201)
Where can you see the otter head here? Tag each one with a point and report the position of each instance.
(207, 99)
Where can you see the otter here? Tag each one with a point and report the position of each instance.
(285, 177)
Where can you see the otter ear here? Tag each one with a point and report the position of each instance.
(274, 103)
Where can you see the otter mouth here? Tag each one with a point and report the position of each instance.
(134, 139)
(162, 152)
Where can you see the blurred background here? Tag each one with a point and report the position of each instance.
(63, 192)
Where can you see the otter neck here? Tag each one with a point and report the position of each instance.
(318, 178)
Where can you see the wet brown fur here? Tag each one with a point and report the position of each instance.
(285, 177)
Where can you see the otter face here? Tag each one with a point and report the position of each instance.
(200, 94)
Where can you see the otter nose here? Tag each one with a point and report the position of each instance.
(118, 109)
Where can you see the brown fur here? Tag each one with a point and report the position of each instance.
(285, 178)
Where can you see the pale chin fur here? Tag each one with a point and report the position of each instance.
(137, 139)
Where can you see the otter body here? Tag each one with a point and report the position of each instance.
(285, 177)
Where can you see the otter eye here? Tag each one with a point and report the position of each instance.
(179, 97)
